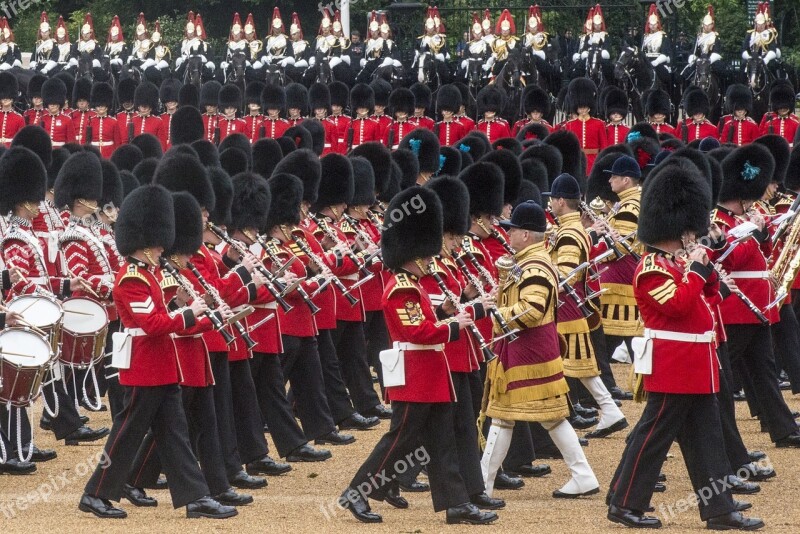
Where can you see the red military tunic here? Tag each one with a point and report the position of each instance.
(274, 128)
(468, 123)
(786, 126)
(340, 126)
(142, 308)
(123, 119)
(325, 300)
(210, 125)
(34, 115)
(80, 123)
(231, 126)
(674, 300)
(591, 134)
(494, 129)
(739, 131)
(697, 130)
(478, 249)
(384, 121)
(150, 124)
(166, 120)
(396, 132)
(105, 135)
(410, 318)
(449, 132)
(295, 121)
(21, 249)
(330, 136)
(10, 123)
(59, 128)
(48, 226)
(364, 131)
(663, 128)
(744, 265)
(616, 133)
(424, 122)
(86, 256)
(253, 127)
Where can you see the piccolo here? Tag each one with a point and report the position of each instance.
(217, 298)
(213, 316)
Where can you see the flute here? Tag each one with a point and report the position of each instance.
(217, 298)
(212, 315)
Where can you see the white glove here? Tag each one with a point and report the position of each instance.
(224, 65)
(312, 61)
(714, 57)
(210, 65)
(539, 53)
(73, 62)
(440, 57)
(490, 62)
(659, 60)
(396, 63)
(162, 65)
(692, 59)
(178, 62)
(746, 55)
(604, 54)
(257, 65)
(575, 57)
(285, 62)
(115, 61)
(302, 64)
(387, 62)
(4, 66)
(147, 63)
(486, 67)
(17, 63)
(334, 61)
(203, 58)
(769, 57)
(584, 54)
(346, 59)
(464, 64)
(362, 62)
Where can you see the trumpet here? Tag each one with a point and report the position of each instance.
(214, 316)
(217, 298)
(610, 242)
(488, 355)
(273, 285)
(324, 270)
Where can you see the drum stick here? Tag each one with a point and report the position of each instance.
(76, 312)
(24, 322)
(16, 354)
(86, 286)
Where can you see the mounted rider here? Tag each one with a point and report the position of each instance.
(140, 48)
(10, 54)
(87, 43)
(433, 42)
(67, 51)
(379, 48)
(504, 45)
(116, 50)
(762, 41)
(594, 39)
(159, 52)
(656, 45)
(276, 44)
(194, 44)
(46, 52)
(478, 50)
(535, 41)
(707, 47)
(239, 44)
(330, 46)
(299, 51)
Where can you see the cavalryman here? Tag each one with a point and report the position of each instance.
(504, 44)
(536, 40)
(299, 51)
(594, 41)
(478, 50)
(140, 49)
(10, 54)
(116, 49)
(761, 41)
(46, 53)
(87, 42)
(707, 46)
(657, 46)
(67, 51)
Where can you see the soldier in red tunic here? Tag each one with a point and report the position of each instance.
(83, 114)
(738, 128)
(616, 106)
(273, 100)
(103, 131)
(781, 120)
(319, 101)
(146, 102)
(490, 103)
(382, 90)
(401, 106)
(125, 96)
(57, 125)
(422, 103)
(169, 94)
(535, 104)
(424, 145)
(591, 132)
(696, 125)
(36, 112)
(657, 108)
(209, 105)
(466, 98)
(296, 103)
(422, 396)
(11, 122)
(230, 102)
(448, 102)
(340, 96)
(676, 286)
(254, 120)
(363, 128)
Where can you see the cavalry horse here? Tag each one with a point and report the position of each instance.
(758, 79)
(705, 79)
(235, 73)
(634, 74)
(193, 75)
(510, 80)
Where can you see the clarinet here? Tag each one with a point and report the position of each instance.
(362, 235)
(325, 270)
(130, 127)
(323, 225)
(211, 290)
(609, 242)
(476, 283)
(275, 260)
(213, 316)
(453, 298)
(272, 285)
(745, 299)
(477, 265)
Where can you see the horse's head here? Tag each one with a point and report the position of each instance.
(703, 73)
(623, 62)
(756, 74)
(194, 70)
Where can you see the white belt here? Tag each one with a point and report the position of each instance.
(353, 276)
(413, 346)
(102, 143)
(135, 332)
(762, 275)
(666, 335)
(57, 143)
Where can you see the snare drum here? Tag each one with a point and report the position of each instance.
(43, 312)
(83, 335)
(24, 360)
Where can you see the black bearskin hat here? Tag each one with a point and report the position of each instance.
(336, 185)
(81, 176)
(15, 162)
(186, 125)
(450, 160)
(340, 94)
(300, 136)
(597, 184)
(273, 97)
(209, 94)
(181, 172)
(189, 96)
(615, 101)
(146, 94)
(413, 235)
(54, 92)
(422, 95)
(33, 137)
(286, 192)
(145, 170)
(382, 90)
(102, 95)
(305, 165)
(534, 171)
(477, 142)
(571, 163)
(490, 98)
(792, 179)
(207, 152)
(409, 167)
(35, 85)
(112, 185)
(234, 160)
(657, 101)
(266, 154)
(549, 155)
(362, 96)
(534, 98)
(126, 90)
(363, 182)
(448, 98)
(251, 201)
(319, 96)
(252, 93)
(82, 90)
(223, 196)
(393, 185)
(381, 160)
(508, 143)
(581, 93)
(317, 131)
(129, 183)
(696, 101)
(240, 141)
(484, 181)
(146, 219)
(149, 145)
(454, 196)
(425, 145)
(779, 148)
(297, 97)
(512, 172)
(738, 96)
(230, 96)
(782, 95)
(401, 100)
(126, 157)
(746, 173)
(188, 224)
(170, 90)
(9, 87)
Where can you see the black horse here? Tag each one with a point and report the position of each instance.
(193, 75)
(758, 79)
(510, 81)
(235, 73)
(634, 74)
(705, 79)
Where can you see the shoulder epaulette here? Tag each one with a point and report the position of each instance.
(168, 281)
(70, 233)
(132, 273)
(470, 246)
(649, 266)
(403, 283)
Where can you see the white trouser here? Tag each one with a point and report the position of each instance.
(609, 411)
(497, 443)
(565, 438)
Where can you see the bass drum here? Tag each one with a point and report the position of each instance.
(25, 358)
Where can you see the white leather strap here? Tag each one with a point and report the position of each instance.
(706, 337)
(413, 346)
(761, 275)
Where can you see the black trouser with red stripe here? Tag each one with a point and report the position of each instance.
(158, 408)
(692, 420)
(399, 449)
